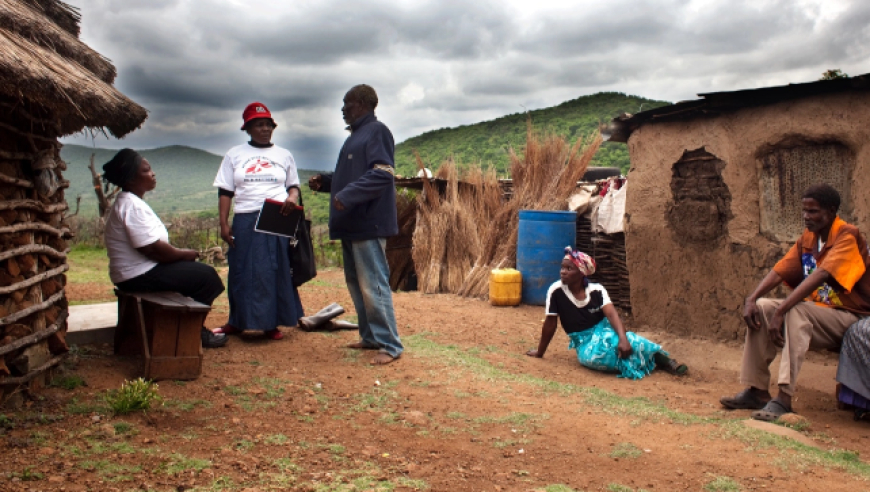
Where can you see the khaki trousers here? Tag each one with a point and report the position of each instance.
(807, 327)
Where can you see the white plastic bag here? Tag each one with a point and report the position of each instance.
(612, 210)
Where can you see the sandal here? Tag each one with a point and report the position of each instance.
(274, 334)
(772, 411)
(745, 400)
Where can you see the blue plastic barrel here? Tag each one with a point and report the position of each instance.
(541, 242)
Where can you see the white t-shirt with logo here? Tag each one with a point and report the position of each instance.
(131, 224)
(255, 174)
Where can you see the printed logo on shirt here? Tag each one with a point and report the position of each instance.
(824, 294)
(257, 165)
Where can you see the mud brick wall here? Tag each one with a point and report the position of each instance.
(696, 241)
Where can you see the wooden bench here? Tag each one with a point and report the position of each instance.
(164, 328)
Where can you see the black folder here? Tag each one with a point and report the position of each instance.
(270, 220)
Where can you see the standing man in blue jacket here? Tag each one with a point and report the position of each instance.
(362, 214)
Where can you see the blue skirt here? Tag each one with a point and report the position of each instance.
(596, 349)
(260, 285)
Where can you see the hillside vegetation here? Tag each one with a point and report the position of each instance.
(184, 181)
(185, 174)
(488, 142)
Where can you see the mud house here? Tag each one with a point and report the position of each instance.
(51, 85)
(715, 195)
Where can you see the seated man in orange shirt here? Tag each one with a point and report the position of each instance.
(827, 270)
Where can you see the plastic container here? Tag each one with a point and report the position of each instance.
(505, 287)
(541, 242)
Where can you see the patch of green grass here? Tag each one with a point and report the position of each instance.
(559, 488)
(28, 475)
(235, 390)
(243, 445)
(455, 415)
(111, 471)
(122, 448)
(607, 402)
(615, 487)
(187, 405)
(123, 428)
(412, 484)
(793, 453)
(88, 265)
(799, 426)
(76, 407)
(286, 465)
(134, 396)
(626, 450)
(178, 463)
(336, 449)
(218, 485)
(276, 440)
(68, 382)
(723, 484)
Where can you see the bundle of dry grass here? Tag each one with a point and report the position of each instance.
(447, 240)
(543, 179)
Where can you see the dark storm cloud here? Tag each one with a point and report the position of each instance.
(196, 63)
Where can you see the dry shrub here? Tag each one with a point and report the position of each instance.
(469, 229)
(543, 179)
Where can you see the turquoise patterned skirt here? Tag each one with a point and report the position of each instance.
(596, 349)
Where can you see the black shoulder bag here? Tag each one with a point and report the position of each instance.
(302, 262)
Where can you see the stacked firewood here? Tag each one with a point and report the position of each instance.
(608, 250)
(33, 306)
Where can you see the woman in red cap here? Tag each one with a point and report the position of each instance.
(260, 285)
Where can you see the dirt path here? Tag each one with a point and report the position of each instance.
(463, 409)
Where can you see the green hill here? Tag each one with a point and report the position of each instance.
(488, 142)
(184, 180)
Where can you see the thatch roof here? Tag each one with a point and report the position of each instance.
(43, 62)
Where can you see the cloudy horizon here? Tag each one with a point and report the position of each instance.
(195, 64)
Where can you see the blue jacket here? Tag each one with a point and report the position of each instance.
(367, 193)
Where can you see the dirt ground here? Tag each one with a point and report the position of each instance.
(463, 409)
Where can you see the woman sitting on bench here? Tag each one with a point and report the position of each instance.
(140, 256)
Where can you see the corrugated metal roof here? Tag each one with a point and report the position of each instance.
(716, 103)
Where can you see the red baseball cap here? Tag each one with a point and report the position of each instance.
(256, 110)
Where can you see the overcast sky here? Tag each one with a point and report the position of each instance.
(195, 64)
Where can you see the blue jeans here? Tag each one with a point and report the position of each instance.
(368, 280)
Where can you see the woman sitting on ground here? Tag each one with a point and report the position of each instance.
(140, 256)
(261, 291)
(594, 327)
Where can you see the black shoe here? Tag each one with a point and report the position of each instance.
(213, 340)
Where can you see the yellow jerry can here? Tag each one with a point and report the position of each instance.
(505, 287)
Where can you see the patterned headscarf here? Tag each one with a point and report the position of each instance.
(581, 260)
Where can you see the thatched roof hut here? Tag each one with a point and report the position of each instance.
(51, 85)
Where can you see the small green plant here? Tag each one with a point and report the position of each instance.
(558, 488)
(122, 428)
(28, 475)
(276, 440)
(68, 382)
(6, 422)
(722, 484)
(626, 450)
(243, 445)
(178, 463)
(134, 396)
